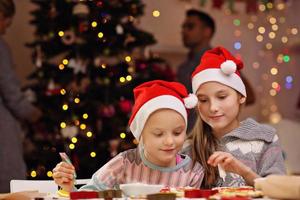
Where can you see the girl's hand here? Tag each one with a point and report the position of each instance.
(231, 164)
(228, 162)
(63, 175)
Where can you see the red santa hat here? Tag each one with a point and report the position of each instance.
(154, 95)
(219, 65)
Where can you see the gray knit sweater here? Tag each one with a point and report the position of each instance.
(257, 146)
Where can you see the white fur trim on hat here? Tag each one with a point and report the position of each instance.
(164, 101)
(190, 101)
(228, 67)
(214, 74)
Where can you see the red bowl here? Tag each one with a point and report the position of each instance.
(199, 193)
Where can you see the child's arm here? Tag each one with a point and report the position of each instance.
(271, 161)
(108, 176)
(232, 164)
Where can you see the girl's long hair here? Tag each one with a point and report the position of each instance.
(204, 143)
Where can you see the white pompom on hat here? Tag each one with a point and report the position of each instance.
(219, 65)
(154, 95)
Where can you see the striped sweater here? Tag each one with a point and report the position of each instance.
(254, 144)
(131, 167)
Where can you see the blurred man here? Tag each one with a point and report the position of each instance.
(197, 31)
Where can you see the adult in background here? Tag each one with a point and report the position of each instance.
(13, 108)
(197, 31)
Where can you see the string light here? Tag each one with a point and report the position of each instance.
(122, 135)
(127, 58)
(100, 35)
(237, 33)
(89, 134)
(281, 20)
(255, 65)
(71, 146)
(63, 125)
(280, 6)
(294, 31)
(261, 30)
(275, 118)
(272, 20)
(274, 71)
(76, 122)
(259, 38)
(269, 5)
(94, 24)
(284, 39)
(61, 66)
(272, 35)
(85, 116)
(237, 22)
(65, 107)
(269, 46)
(273, 108)
(274, 27)
(82, 126)
(289, 79)
(61, 33)
(33, 173)
(76, 100)
(63, 92)
(262, 7)
(49, 174)
(275, 85)
(273, 92)
(65, 61)
(237, 45)
(93, 154)
(103, 66)
(128, 78)
(156, 13)
(250, 26)
(74, 140)
(286, 58)
(122, 79)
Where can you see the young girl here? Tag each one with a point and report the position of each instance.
(247, 149)
(159, 122)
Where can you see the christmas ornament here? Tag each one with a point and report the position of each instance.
(119, 29)
(68, 38)
(69, 131)
(30, 95)
(81, 9)
(107, 111)
(83, 26)
(78, 65)
(125, 105)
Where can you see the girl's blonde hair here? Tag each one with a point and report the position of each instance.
(204, 143)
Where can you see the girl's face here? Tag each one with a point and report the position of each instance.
(219, 107)
(163, 136)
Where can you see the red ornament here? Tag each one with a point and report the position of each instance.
(107, 111)
(51, 92)
(83, 26)
(251, 6)
(99, 4)
(217, 4)
(125, 105)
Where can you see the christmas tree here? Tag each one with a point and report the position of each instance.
(89, 55)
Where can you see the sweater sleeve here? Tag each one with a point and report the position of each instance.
(10, 90)
(198, 175)
(271, 161)
(107, 177)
